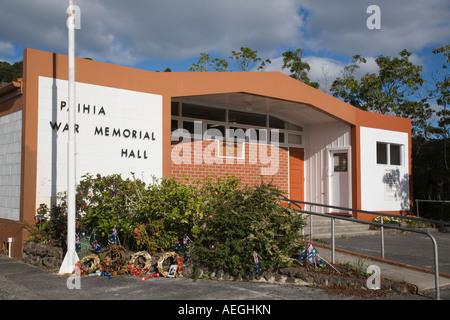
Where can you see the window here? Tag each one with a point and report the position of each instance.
(280, 124)
(238, 126)
(382, 153)
(201, 112)
(174, 125)
(388, 153)
(175, 109)
(231, 149)
(252, 119)
(395, 153)
(214, 131)
(340, 162)
(294, 139)
(189, 126)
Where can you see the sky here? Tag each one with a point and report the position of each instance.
(159, 34)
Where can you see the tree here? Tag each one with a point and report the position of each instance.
(205, 63)
(246, 59)
(394, 90)
(441, 92)
(347, 87)
(10, 72)
(299, 69)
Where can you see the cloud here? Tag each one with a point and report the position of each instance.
(6, 49)
(39, 24)
(128, 32)
(340, 26)
(132, 32)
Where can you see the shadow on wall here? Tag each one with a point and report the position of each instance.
(397, 188)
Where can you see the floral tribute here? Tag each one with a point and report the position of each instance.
(135, 270)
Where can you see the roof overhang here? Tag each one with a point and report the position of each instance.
(11, 90)
(294, 112)
(259, 92)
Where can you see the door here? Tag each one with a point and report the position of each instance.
(296, 174)
(338, 187)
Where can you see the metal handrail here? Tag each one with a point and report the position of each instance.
(424, 200)
(381, 225)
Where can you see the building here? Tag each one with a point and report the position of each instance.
(250, 124)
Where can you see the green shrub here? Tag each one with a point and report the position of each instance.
(50, 226)
(109, 202)
(225, 220)
(245, 220)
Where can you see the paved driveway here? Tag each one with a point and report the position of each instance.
(415, 249)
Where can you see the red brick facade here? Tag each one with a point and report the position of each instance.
(204, 162)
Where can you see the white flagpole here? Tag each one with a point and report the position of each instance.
(71, 258)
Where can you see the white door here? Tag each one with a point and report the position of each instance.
(339, 180)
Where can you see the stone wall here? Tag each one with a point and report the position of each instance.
(42, 255)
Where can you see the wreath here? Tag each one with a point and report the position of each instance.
(90, 268)
(115, 253)
(164, 257)
(133, 269)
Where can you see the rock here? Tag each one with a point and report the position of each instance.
(269, 276)
(444, 229)
(219, 274)
(29, 247)
(399, 287)
(278, 277)
(42, 255)
(55, 252)
(307, 278)
(333, 281)
(188, 270)
(29, 258)
(226, 276)
(385, 284)
(358, 284)
(291, 279)
(41, 250)
(290, 272)
(238, 278)
(299, 274)
(50, 262)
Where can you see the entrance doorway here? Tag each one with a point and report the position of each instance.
(339, 180)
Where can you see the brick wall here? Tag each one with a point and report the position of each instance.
(10, 165)
(199, 159)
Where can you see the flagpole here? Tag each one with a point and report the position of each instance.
(71, 258)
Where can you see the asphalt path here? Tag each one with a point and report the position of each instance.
(23, 282)
(20, 281)
(414, 249)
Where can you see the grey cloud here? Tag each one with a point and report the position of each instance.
(128, 32)
(340, 26)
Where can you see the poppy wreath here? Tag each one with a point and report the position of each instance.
(164, 257)
(138, 271)
(95, 261)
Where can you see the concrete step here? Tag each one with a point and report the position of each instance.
(321, 228)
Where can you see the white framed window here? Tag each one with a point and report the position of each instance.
(389, 153)
(233, 149)
(258, 128)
